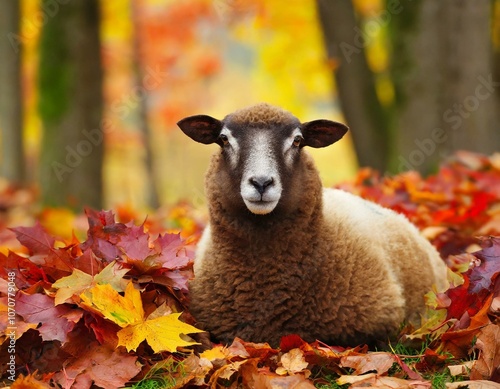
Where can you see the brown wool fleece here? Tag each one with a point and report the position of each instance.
(344, 272)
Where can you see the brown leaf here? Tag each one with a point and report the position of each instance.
(487, 366)
(380, 362)
(98, 365)
(473, 385)
(29, 382)
(264, 379)
(461, 370)
(376, 381)
(292, 362)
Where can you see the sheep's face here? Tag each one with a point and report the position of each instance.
(261, 148)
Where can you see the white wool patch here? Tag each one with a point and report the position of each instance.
(260, 165)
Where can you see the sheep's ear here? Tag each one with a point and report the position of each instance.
(201, 128)
(322, 133)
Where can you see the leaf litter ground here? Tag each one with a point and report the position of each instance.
(110, 309)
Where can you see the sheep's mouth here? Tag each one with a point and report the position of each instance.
(260, 207)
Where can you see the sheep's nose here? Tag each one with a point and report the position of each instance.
(261, 183)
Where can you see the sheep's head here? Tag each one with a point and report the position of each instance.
(261, 148)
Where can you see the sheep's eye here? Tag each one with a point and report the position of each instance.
(297, 141)
(224, 140)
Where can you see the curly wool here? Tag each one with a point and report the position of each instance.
(260, 114)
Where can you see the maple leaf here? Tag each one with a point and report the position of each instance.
(103, 234)
(162, 333)
(135, 243)
(173, 252)
(98, 365)
(122, 310)
(40, 245)
(28, 273)
(482, 276)
(56, 322)
(35, 239)
(78, 282)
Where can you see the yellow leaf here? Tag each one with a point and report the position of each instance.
(78, 282)
(162, 334)
(122, 310)
(218, 352)
(68, 286)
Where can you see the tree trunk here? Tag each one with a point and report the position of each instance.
(11, 107)
(142, 113)
(367, 118)
(71, 105)
(442, 71)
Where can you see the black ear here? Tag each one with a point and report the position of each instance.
(201, 128)
(322, 133)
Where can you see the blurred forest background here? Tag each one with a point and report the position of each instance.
(90, 90)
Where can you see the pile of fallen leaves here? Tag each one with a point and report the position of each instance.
(110, 309)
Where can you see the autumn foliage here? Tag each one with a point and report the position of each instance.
(111, 309)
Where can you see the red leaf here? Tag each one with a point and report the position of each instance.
(103, 234)
(56, 322)
(35, 239)
(173, 252)
(135, 243)
(28, 273)
(290, 342)
(488, 365)
(482, 276)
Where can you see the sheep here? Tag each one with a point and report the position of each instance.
(282, 255)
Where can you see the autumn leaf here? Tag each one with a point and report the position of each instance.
(254, 377)
(35, 239)
(29, 382)
(98, 365)
(161, 333)
(482, 276)
(103, 234)
(487, 366)
(135, 243)
(292, 362)
(173, 253)
(55, 262)
(376, 381)
(122, 310)
(5, 320)
(56, 322)
(380, 362)
(478, 384)
(78, 282)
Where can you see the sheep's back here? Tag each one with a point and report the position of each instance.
(410, 258)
